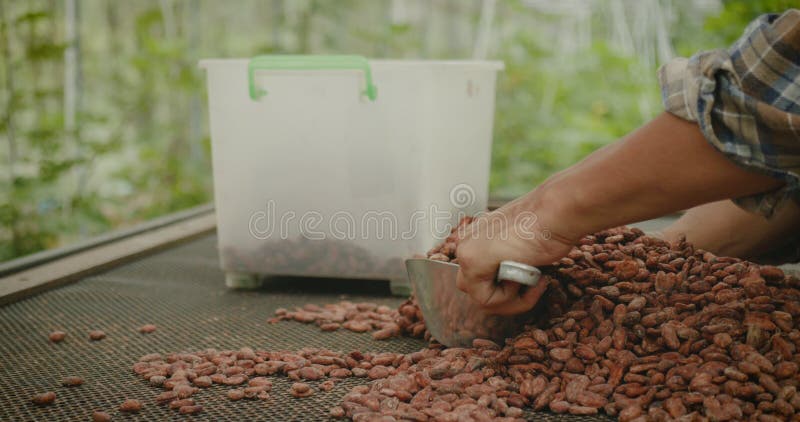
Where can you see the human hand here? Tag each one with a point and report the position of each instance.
(514, 233)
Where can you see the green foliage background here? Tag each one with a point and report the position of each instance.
(139, 147)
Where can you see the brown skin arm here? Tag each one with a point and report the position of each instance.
(663, 167)
(725, 229)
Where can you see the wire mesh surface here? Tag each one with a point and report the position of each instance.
(182, 291)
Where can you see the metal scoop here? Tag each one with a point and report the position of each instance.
(451, 316)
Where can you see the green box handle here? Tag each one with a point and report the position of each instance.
(308, 62)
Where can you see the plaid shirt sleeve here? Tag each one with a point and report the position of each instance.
(746, 101)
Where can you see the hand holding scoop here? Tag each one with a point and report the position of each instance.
(451, 316)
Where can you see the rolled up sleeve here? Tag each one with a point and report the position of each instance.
(746, 101)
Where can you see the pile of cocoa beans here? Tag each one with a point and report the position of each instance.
(646, 330)
(630, 326)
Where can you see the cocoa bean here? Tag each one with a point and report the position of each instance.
(191, 410)
(177, 404)
(235, 394)
(337, 412)
(166, 396)
(99, 416)
(44, 399)
(300, 389)
(96, 335)
(72, 381)
(327, 385)
(202, 382)
(378, 372)
(560, 354)
(130, 406)
(630, 413)
(57, 336)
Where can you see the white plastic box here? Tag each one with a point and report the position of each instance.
(310, 173)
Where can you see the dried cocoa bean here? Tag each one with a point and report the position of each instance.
(327, 385)
(44, 399)
(310, 373)
(130, 406)
(300, 389)
(72, 381)
(177, 404)
(166, 396)
(202, 382)
(330, 326)
(184, 391)
(378, 372)
(190, 410)
(57, 336)
(96, 335)
(98, 416)
(337, 412)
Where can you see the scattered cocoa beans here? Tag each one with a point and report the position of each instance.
(383, 321)
(130, 406)
(44, 399)
(630, 325)
(57, 336)
(397, 376)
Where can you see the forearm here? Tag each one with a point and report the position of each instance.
(726, 229)
(662, 167)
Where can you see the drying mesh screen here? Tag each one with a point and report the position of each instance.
(182, 291)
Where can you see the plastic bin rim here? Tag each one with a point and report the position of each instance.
(486, 64)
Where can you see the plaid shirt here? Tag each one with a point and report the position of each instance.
(746, 101)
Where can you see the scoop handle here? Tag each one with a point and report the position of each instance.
(518, 273)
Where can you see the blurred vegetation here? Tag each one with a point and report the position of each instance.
(118, 134)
